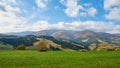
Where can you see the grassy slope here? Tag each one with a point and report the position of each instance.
(34, 59)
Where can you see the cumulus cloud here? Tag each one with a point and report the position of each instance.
(10, 1)
(75, 25)
(83, 14)
(72, 7)
(92, 11)
(109, 4)
(39, 25)
(114, 14)
(41, 3)
(87, 4)
(88, 25)
(10, 17)
(113, 8)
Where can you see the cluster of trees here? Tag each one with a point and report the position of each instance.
(10, 47)
(104, 47)
(15, 41)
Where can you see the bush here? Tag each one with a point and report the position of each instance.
(21, 47)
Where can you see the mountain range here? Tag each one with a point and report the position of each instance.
(67, 39)
(72, 35)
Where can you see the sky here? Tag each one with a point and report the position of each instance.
(36, 15)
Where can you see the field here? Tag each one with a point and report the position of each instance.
(59, 59)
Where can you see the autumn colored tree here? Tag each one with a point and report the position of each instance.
(41, 46)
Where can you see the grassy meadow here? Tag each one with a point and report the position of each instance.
(59, 59)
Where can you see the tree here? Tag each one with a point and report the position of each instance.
(41, 46)
(21, 47)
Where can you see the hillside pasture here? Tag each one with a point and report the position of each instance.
(59, 59)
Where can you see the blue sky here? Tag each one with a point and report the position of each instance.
(35, 15)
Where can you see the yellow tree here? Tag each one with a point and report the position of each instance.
(41, 46)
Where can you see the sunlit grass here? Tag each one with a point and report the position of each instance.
(59, 59)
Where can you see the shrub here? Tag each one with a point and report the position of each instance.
(21, 47)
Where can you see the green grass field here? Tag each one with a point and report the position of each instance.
(59, 59)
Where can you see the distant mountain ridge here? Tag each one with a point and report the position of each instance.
(66, 39)
(66, 34)
(49, 32)
(74, 40)
(21, 33)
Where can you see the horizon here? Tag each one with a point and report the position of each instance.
(77, 15)
(10, 33)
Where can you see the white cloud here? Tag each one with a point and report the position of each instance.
(75, 25)
(10, 18)
(108, 4)
(78, 26)
(39, 25)
(83, 14)
(41, 3)
(113, 8)
(10, 1)
(72, 7)
(92, 11)
(12, 21)
(114, 14)
(11, 14)
(87, 4)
